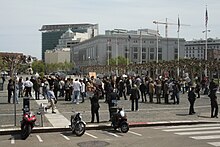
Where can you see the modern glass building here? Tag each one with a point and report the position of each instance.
(52, 33)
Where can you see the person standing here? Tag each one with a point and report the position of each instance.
(214, 103)
(36, 87)
(158, 90)
(76, 91)
(95, 106)
(143, 89)
(10, 88)
(20, 87)
(134, 97)
(151, 91)
(166, 91)
(28, 85)
(82, 90)
(192, 99)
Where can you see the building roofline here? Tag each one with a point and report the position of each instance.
(61, 26)
(122, 36)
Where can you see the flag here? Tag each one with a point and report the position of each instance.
(129, 37)
(178, 30)
(206, 17)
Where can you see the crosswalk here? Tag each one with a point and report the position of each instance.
(68, 136)
(206, 132)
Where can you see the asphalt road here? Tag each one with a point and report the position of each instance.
(206, 135)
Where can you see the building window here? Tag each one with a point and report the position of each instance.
(151, 42)
(135, 49)
(144, 56)
(144, 49)
(135, 55)
(151, 50)
(151, 56)
(159, 50)
(176, 50)
(159, 56)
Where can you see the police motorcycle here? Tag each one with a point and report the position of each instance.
(78, 126)
(119, 118)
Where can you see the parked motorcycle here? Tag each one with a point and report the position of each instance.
(78, 126)
(119, 120)
(27, 124)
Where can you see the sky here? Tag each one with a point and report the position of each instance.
(22, 19)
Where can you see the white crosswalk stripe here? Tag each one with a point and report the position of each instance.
(67, 138)
(39, 138)
(12, 140)
(207, 132)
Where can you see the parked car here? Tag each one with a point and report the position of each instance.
(58, 74)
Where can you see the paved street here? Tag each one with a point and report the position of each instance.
(206, 135)
(148, 112)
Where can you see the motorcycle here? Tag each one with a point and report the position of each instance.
(119, 120)
(27, 124)
(78, 126)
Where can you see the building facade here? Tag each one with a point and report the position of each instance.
(52, 33)
(196, 49)
(57, 56)
(137, 47)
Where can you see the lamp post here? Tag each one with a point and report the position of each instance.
(157, 48)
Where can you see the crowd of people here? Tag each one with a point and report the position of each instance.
(135, 88)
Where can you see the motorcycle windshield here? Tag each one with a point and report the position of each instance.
(122, 113)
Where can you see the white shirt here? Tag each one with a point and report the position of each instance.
(83, 87)
(76, 86)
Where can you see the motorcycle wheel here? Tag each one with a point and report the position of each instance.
(80, 128)
(25, 131)
(124, 127)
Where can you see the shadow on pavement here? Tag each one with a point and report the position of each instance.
(182, 114)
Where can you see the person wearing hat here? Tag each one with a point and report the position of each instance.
(51, 100)
(192, 99)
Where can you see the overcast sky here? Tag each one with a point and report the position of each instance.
(22, 19)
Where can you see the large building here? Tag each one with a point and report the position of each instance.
(196, 49)
(52, 33)
(57, 56)
(138, 46)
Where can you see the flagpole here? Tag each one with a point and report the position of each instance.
(157, 49)
(178, 48)
(116, 48)
(206, 42)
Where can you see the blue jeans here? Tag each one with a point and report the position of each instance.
(76, 96)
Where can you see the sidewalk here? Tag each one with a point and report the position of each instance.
(148, 114)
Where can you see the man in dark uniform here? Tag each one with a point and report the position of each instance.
(214, 103)
(112, 101)
(95, 106)
(192, 99)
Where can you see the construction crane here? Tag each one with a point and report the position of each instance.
(166, 25)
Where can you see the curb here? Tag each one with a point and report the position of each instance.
(105, 126)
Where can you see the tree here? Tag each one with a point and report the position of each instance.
(121, 61)
(38, 66)
(13, 62)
